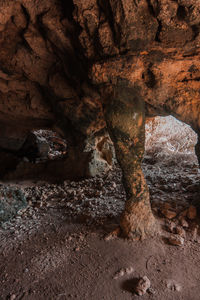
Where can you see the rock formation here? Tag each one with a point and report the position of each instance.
(73, 66)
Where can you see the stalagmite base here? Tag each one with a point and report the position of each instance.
(137, 221)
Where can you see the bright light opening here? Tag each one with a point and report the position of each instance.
(168, 139)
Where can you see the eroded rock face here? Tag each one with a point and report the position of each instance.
(47, 48)
(62, 63)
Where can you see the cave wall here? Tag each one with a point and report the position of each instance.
(61, 60)
(43, 71)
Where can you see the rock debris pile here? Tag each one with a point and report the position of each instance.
(174, 198)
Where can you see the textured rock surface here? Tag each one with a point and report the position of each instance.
(142, 286)
(61, 60)
(47, 48)
(12, 200)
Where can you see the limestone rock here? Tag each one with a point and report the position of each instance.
(192, 212)
(180, 231)
(45, 81)
(173, 285)
(64, 62)
(44, 78)
(194, 232)
(124, 271)
(171, 226)
(142, 286)
(176, 240)
(169, 214)
(112, 235)
(183, 222)
(183, 213)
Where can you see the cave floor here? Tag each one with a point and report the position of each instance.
(45, 253)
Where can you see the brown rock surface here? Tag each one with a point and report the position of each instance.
(176, 240)
(142, 286)
(45, 57)
(169, 214)
(60, 61)
(192, 212)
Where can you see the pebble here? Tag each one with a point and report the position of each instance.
(176, 240)
(173, 285)
(180, 231)
(112, 235)
(170, 226)
(119, 274)
(194, 232)
(184, 213)
(183, 222)
(166, 206)
(142, 286)
(124, 271)
(169, 214)
(129, 270)
(151, 291)
(192, 212)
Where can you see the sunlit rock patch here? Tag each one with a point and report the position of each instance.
(169, 140)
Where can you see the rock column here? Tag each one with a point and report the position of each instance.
(126, 123)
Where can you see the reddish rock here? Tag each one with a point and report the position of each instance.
(184, 223)
(142, 286)
(176, 240)
(180, 231)
(192, 212)
(169, 214)
(62, 62)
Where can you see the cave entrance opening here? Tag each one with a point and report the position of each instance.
(34, 153)
(171, 166)
(43, 145)
(170, 141)
(40, 152)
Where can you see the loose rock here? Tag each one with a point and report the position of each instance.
(184, 213)
(183, 222)
(122, 272)
(112, 235)
(176, 240)
(169, 214)
(192, 212)
(173, 285)
(180, 231)
(194, 232)
(129, 270)
(119, 274)
(170, 226)
(142, 286)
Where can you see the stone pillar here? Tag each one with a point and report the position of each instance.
(126, 124)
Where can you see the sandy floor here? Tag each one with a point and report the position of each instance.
(56, 247)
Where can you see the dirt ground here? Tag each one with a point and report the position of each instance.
(56, 247)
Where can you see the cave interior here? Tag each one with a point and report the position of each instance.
(99, 149)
